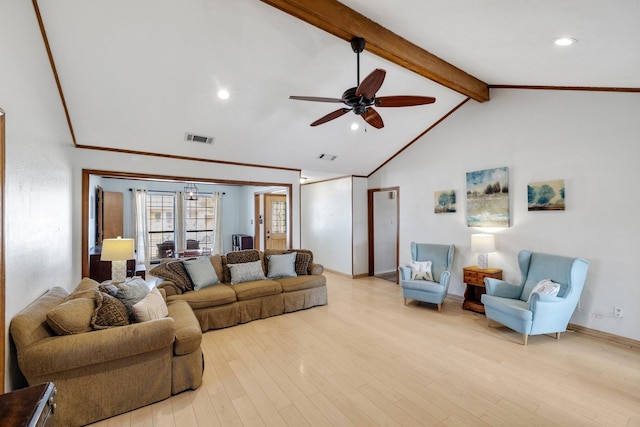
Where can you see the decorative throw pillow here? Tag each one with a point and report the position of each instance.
(150, 307)
(201, 272)
(182, 275)
(546, 287)
(71, 317)
(167, 272)
(303, 259)
(109, 313)
(421, 270)
(132, 291)
(246, 272)
(241, 257)
(282, 265)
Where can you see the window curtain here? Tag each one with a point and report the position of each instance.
(141, 227)
(180, 233)
(216, 244)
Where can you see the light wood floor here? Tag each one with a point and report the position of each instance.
(365, 359)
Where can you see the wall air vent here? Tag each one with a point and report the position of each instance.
(328, 157)
(199, 138)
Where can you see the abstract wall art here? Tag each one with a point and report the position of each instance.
(444, 201)
(488, 198)
(546, 195)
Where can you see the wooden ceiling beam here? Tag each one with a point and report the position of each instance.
(345, 23)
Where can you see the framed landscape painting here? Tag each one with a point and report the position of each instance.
(546, 195)
(444, 201)
(488, 198)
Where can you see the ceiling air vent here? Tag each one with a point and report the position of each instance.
(199, 138)
(328, 157)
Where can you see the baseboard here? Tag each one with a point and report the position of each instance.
(360, 276)
(627, 342)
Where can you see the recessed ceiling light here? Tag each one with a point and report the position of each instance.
(223, 94)
(564, 41)
(354, 126)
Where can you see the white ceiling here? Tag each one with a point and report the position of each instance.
(138, 74)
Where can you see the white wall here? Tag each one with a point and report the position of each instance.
(326, 217)
(589, 139)
(360, 227)
(38, 175)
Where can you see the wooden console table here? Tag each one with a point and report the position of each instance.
(32, 406)
(474, 278)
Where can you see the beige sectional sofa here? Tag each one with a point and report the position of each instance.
(102, 373)
(226, 304)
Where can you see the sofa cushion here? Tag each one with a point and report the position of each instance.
(179, 269)
(72, 316)
(212, 296)
(246, 272)
(109, 313)
(256, 289)
(188, 333)
(170, 270)
(201, 272)
(290, 284)
(303, 260)
(130, 292)
(281, 265)
(249, 255)
(150, 307)
(85, 289)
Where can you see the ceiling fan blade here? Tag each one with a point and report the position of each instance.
(331, 116)
(371, 84)
(316, 99)
(403, 101)
(372, 117)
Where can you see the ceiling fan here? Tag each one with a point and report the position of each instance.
(362, 98)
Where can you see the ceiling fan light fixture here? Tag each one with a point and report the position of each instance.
(564, 41)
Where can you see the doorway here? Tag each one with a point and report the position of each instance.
(275, 221)
(384, 213)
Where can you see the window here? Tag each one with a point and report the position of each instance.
(199, 223)
(161, 214)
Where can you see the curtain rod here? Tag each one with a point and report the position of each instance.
(169, 191)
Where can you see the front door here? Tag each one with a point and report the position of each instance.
(275, 221)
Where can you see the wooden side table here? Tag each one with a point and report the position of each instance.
(32, 406)
(474, 278)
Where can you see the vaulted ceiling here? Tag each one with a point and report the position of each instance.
(137, 75)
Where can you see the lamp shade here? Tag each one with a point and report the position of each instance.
(483, 243)
(117, 249)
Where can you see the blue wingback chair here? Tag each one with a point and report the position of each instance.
(441, 257)
(516, 307)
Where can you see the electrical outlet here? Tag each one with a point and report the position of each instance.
(618, 312)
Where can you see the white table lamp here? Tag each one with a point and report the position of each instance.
(483, 244)
(118, 251)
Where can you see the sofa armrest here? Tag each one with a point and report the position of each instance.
(316, 269)
(188, 333)
(169, 287)
(500, 288)
(65, 352)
